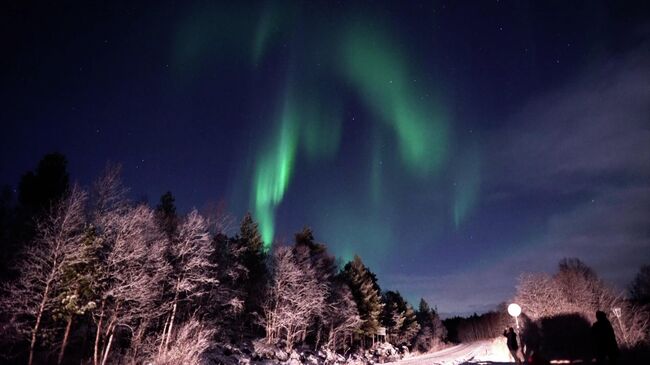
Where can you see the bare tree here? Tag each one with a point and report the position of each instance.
(190, 342)
(59, 234)
(109, 194)
(192, 269)
(132, 272)
(296, 297)
(76, 292)
(341, 317)
(576, 289)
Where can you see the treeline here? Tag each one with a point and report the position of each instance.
(558, 310)
(569, 299)
(478, 327)
(100, 279)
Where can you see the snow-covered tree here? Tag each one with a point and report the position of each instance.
(341, 317)
(188, 345)
(432, 330)
(576, 289)
(366, 295)
(58, 235)
(191, 275)
(133, 268)
(77, 292)
(296, 297)
(399, 319)
(324, 269)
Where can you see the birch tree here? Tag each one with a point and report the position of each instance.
(341, 318)
(59, 233)
(191, 275)
(296, 297)
(78, 284)
(132, 272)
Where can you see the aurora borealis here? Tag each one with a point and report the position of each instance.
(441, 141)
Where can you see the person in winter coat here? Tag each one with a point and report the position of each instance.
(604, 340)
(512, 343)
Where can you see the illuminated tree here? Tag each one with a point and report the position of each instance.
(399, 319)
(296, 297)
(133, 265)
(78, 284)
(576, 289)
(324, 267)
(191, 274)
(432, 330)
(189, 344)
(58, 234)
(365, 292)
(341, 317)
(133, 270)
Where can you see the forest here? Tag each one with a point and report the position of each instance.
(90, 276)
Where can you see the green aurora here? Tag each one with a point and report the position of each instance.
(410, 131)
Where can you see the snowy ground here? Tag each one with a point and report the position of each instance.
(492, 352)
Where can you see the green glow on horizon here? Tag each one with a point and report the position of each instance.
(376, 67)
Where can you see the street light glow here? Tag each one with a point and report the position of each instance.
(514, 310)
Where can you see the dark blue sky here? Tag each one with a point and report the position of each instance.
(451, 145)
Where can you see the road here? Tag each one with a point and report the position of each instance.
(470, 353)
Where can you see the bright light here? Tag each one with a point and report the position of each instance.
(514, 309)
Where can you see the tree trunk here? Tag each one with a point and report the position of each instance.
(65, 340)
(162, 338)
(39, 315)
(97, 336)
(108, 348)
(171, 326)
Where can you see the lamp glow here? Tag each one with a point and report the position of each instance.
(514, 310)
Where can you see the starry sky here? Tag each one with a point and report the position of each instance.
(451, 144)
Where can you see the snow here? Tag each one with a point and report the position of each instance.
(482, 352)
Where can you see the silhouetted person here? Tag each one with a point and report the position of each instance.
(605, 346)
(530, 338)
(512, 343)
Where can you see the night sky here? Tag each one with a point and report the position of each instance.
(452, 145)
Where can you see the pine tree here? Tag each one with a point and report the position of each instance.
(166, 215)
(432, 331)
(640, 287)
(363, 285)
(399, 319)
(251, 247)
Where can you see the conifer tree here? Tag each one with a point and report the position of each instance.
(166, 215)
(363, 285)
(399, 319)
(432, 330)
(253, 259)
